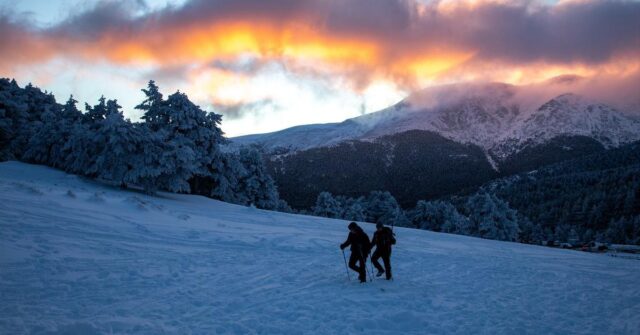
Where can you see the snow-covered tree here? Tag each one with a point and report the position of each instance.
(561, 233)
(40, 145)
(191, 137)
(224, 183)
(327, 206)
(122, 159)
(284, 207)
(383, 207)
(438, 216)
(10, 114)
(22, 111)
(255, 184)
(155, 110)
(96, 113)
(492, 218)
(530, 232)
(624, 230)
(88, 138)
(353, 209)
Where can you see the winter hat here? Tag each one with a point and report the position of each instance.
(379, 225)
(352, 225)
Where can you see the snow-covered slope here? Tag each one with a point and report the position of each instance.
(305, 137)
(77, 257)
(500, 118)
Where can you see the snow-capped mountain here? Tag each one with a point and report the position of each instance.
(497, 117)
(574, 115)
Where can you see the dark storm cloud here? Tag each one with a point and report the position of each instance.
(588, 32)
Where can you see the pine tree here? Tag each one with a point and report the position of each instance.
(353, 209)
(40, 146)
(382, 207)
(22, 111)
(224, 183)
(122, 156)
(94, 114)
(255, 184)
(438, 216)
(155, 115)
(492, 218)
(191, 140)
(69, 117)
(326, 206)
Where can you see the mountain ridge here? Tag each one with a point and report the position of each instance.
(493, 116)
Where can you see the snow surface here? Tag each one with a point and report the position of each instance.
(77, 257)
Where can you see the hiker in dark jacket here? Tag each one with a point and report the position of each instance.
(360, 247)
(383, 238)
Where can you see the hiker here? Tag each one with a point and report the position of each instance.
(360, 247)
(383, 238)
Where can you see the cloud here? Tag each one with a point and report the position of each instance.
(406, 41)
(235, 111)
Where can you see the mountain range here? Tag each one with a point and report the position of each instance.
(441, 140)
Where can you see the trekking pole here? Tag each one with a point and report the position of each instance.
(345, 265)
(371, 265)
(366, 269)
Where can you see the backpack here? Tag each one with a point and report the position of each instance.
(387, 237)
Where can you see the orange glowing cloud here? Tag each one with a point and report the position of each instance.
(406, 41)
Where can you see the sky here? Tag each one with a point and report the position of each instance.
(270, 64)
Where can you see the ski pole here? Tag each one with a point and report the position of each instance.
(345, 264)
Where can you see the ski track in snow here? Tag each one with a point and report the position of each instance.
(77, 257)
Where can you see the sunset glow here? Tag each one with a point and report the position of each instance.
(220, 52)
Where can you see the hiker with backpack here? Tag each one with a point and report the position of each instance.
(383, 238)
(360, 247)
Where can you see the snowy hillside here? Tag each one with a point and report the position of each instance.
(500, 118)
(77, 257)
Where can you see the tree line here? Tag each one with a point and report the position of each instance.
(176, 146)
(591, 198)
(482, 215)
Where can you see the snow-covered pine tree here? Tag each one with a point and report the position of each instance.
(22, 115)
(10, 115)
(284, 207)
(88, 140)
(39, 149)
(66, 123)
(191, 137)
(255, 184)
(155, 113)
(529, 232)
(382, 207)
(94, 114)
(353, 209)
(224, 183)
(122, 155)
(492, 218)
(326, 206)
(438, 216)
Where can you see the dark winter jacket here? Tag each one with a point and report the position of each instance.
(383, 238)
(358, 241)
